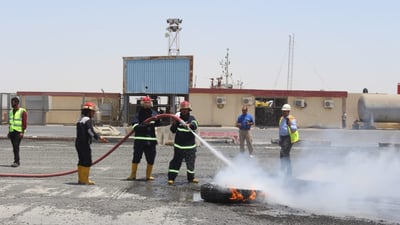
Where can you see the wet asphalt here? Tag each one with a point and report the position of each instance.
(60, 200)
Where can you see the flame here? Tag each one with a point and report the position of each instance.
(238, 196)
(253, 195)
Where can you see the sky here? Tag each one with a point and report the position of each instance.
(79, 45)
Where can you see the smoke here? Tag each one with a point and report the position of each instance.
(356, 182)
(243, 173)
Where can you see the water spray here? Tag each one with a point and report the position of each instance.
(213, 150)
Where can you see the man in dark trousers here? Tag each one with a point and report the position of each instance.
(288, 135)
(17, 120)
(145, 137)
(184, 144)
(84, 135)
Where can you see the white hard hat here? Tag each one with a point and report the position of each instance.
(286, 107)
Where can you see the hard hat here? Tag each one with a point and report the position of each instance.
(286, 107)
(185, 105)
(146, 100)
(90, 106)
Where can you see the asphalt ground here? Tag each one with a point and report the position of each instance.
(114, 200)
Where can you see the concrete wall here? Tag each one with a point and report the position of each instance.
(64, 110)
(64, 107)
(314, 114)
(209, 113)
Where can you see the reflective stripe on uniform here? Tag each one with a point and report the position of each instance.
(183, 130)
(173, 171)
(184, 147)
(145, 138)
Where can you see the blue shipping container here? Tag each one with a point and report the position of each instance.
(158, 75)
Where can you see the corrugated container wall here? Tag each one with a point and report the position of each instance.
(158, 74)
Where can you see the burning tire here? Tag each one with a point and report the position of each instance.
(216, 194)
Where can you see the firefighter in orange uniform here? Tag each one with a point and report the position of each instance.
(84, 135)
(184, 145)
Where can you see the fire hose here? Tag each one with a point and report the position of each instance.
(173, 116)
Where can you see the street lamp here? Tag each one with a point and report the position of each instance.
(173, 35)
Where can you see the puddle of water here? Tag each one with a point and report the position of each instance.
(197, 197)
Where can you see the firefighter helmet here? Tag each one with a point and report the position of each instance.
(90, 106)
(146, 100)
(286, 107)
(185, 105)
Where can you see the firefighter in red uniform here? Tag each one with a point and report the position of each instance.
(84, 135)
(145, 138)
(184, 145)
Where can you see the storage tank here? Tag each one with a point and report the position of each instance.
(379, 108)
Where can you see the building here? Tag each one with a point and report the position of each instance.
(64, 107)
(220, 107)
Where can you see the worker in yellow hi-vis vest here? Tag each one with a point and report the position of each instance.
(17, 120)
(288, 135)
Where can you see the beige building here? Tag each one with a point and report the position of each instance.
(64, 107)
(221, 107)
(212, 107)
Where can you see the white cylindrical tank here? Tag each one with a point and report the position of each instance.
(379, 108)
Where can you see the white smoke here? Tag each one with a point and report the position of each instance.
(243, 173)
(357, 182)
(354, 183)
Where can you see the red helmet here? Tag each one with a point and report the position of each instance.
(90, 105)
(146, 100)
(185, 105)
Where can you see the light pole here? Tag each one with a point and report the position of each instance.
(173, 35)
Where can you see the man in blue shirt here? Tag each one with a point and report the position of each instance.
(244, 123)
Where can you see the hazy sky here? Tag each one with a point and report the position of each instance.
(78, 45)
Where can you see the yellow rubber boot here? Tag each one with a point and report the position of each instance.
(195, 181)
(87, 175)
(84, 176)
(80, 175)
(149, 169)
(133, 172)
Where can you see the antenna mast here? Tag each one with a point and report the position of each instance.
(290, 62)
(225, 68)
